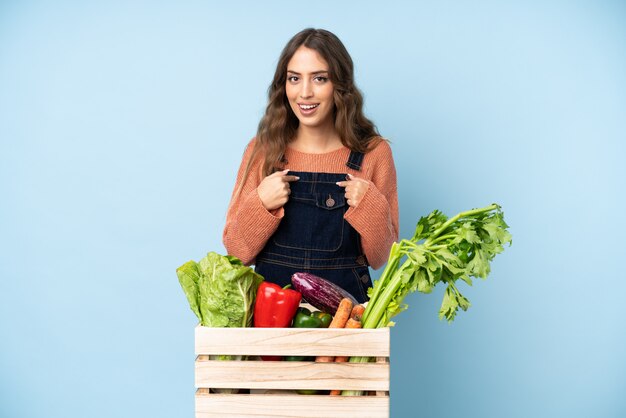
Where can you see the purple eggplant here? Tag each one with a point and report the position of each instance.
(321, 293)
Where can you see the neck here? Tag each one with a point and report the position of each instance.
(316, 139)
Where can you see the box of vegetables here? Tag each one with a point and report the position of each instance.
(312, 351)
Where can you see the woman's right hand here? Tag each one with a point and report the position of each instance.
(274, 190)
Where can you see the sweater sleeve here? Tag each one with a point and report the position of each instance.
(248, 224)
(376, 217)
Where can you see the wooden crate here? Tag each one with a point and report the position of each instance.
(372, 377)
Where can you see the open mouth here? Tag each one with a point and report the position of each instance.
(308, 109)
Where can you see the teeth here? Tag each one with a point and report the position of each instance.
(307, 107)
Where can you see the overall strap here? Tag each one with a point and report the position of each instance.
(355, 160)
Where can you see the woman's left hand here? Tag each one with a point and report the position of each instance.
(355, 189)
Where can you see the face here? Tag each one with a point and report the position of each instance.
(309, 90)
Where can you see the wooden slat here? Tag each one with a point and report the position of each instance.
(290, 406)
(383, 360)
(292, 341)
(292, 375)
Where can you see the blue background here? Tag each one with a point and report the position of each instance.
(122, 126)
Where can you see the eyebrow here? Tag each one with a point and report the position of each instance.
(314, 72)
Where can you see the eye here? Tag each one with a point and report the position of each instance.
(292, 79)
(321, 79)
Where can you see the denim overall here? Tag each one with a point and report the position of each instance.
(313, 236)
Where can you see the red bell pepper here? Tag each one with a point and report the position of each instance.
(275, 307)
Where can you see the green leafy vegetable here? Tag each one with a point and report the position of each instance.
(220, 290)
(442, 250)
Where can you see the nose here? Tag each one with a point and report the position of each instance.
(306, 90)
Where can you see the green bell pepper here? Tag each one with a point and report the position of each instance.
(326, 318)
(299, 358)
(304, 319)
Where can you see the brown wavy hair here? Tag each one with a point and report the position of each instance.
(279, 124)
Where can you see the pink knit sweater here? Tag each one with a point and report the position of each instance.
(249, 225)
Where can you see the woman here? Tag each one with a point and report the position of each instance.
(316, 189)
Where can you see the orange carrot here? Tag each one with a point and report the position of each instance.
(357, 313)
(339, 321)
(353, 323)
(342, 315)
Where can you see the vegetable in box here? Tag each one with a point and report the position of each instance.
(220, 290)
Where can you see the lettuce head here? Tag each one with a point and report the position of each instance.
(220, 290)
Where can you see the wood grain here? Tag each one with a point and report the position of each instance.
(292, 341)
(282, 376)
(292, 375)
(291, 406)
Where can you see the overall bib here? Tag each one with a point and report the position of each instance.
(314, 237)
